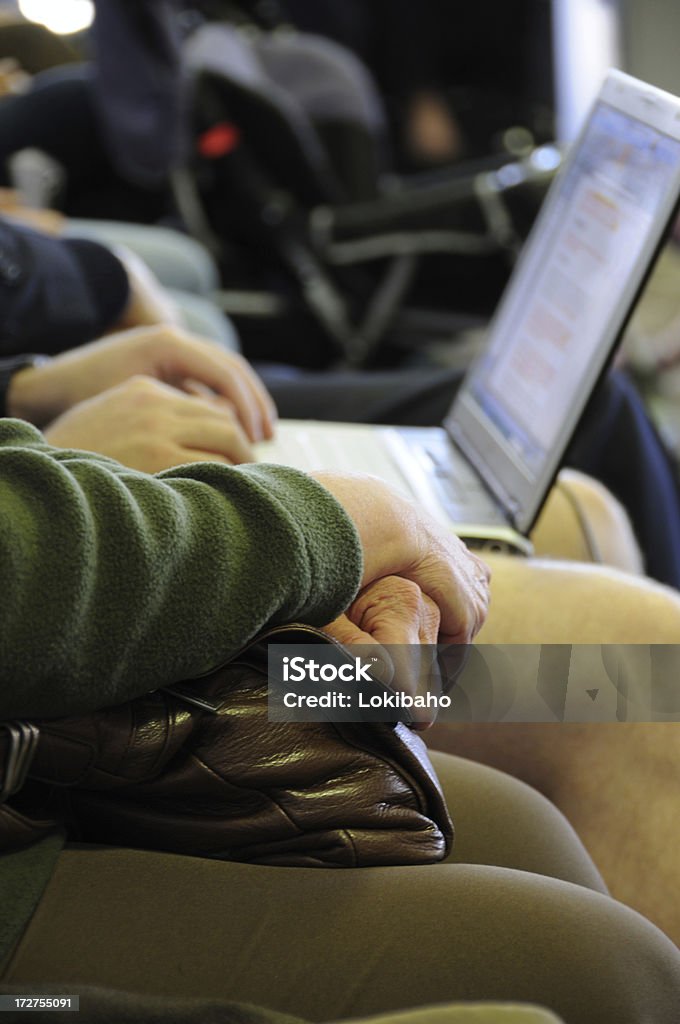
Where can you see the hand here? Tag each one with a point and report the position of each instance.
(391, 610)
(149, 426)
(395, 612)
(40, 394)
(399, 540)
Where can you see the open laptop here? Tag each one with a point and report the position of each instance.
(488, 469)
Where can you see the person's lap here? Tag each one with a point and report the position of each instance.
(333, 943)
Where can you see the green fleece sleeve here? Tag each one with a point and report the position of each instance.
(114, 582)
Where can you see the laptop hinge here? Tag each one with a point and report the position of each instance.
(510, 505)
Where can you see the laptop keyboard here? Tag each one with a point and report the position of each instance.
(346, 448)
(459, 489)
(433, 473)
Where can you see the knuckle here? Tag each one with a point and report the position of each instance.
(159, 450)
(482, 568)
(140, 385)
(161, 336)
(148, 337)
(408, 592)
(237, 360)
(431, 614)
(228, 412)
(175, 333)
(155, 453)
(470, 621)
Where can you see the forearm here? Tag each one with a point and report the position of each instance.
(114, 582)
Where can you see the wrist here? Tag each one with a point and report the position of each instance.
(383, 518)
(18, 393)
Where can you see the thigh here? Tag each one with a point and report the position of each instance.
(502, 821)
(326, 944)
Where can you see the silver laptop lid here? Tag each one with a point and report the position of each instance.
(571, 294)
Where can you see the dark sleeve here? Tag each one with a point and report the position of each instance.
(115, 582)
(55, 293)
(617, 442)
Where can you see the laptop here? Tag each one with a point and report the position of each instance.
(488, 469)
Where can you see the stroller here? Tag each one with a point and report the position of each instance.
(289, 185)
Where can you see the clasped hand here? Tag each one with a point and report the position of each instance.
(421, 585)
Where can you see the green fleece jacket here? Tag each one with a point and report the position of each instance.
(113, 583)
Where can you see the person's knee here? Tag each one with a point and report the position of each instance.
(502, 821)
(583, 521)
(580, 953)
(545, 602)
(468, 1013)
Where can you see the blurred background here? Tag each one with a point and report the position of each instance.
(542, 58)
(463, 90)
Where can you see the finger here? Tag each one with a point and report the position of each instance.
(480, 565)
(415, 665)
(180, 456)
(429, 678)
(345, 631)
(205, 424)
(215, 402)
(350, 635)
(481, 580)
(405, 668)
(229, 375)
(198, 390)
(396, 613)
(196, 402)
(267, 405)
(429, 621)
(458, 583)
(217, 435)
(199, 402)
(248, 392)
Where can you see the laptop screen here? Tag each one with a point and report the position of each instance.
(587, 40)
(572, 291)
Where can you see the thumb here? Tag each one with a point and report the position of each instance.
(347, 633)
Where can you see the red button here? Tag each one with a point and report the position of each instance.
(219, 140)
